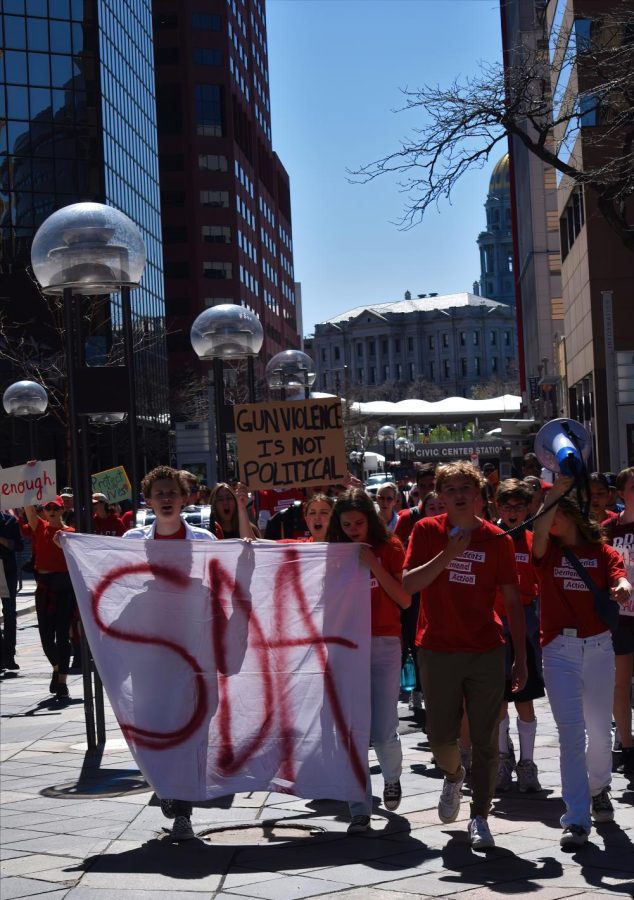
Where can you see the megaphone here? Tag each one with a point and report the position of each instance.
(563, 445)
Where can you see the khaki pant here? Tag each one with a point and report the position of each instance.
(476, 680)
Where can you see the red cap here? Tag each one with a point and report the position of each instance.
(56, 501)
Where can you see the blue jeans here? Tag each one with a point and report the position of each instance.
(385, 683)
(579, 677)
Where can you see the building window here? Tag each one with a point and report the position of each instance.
(372, 375)
(172, 198)
(166, 55)
(216, 199)
(208, 100)
(323, 355)
(410, 344)
(217, 270)
(476, 365)
(337, 354)
(494, 338)
(176, 270)
(397, 345)
(359, 350)
(206, 56)
(431, 342)
(571, 222)
(174, 234)
(386, 373)
(216, 234)
(509, 262)
(445, 340)
(463, 338)
(494, 364)
(476, 338)
(171, 162)
(397, 373)
(432, 371)
(463, 366)
(447, 368)
(206, 22)
(412, 371)
(372, 348)
(212, 162)
(384, 350)
(360, 376)
(507, 338)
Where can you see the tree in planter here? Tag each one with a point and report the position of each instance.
(468, 123)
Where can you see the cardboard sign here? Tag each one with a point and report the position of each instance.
(27, 485)
(291, 444)
(114, 483)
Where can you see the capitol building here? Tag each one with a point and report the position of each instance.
(455, 341)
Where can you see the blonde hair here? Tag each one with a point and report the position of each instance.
(460, 467)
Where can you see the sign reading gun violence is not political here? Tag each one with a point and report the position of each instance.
(291, 443)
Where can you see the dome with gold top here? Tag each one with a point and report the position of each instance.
(500, 179)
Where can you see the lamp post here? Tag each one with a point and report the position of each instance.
(385, 435)
(226, 332)
(291, 371)
(89, 249)
(26, 400)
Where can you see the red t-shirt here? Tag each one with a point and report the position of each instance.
(275, 501)
(621, 536)
(457, 612)
(128, 519)
(48, 556)
(525, 570)
(565, 601)
(179, 535)
(111, 525)
(407, 518)
(386, 613)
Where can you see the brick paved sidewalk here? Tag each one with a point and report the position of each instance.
(86, 828)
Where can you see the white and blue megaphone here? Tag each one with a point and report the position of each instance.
(563, 445)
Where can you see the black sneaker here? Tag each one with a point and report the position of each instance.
(62, 692)
(182, 829)
(392, 794)
(167, 808)
(52, 688)
(627, 761)
(602, 809)
(11, 665)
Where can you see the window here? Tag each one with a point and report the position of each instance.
(432, 371)
(507, 338)
(337, 354)
(176, 270)
(169, 106)
(174, 234)
(494, 364)
(494, 338)
(215, 199)
(397, 371)
(217, 270)
(463, 338)
(212, 162)
(509, 262)
(476, 365)
(171, 162)
(360, 376)
(206, 22)
(372, 375)
(166, 55)
(386, 373)
(206, 56)
(445, 340)
(571, 222)
(431, 342)
(208, 101)
(447, 368)
(216, 234)
(372, 348)
(463, 366)
(359, 350)
(410, 344)
(323, 354)
(476, 338)
(397, 345)
(384, 349)
(172, 198)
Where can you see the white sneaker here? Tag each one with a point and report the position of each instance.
(479, 834)
(527, 779)
(449, 803)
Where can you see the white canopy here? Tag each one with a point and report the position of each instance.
(447, 408)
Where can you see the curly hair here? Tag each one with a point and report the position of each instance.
(160, 473)
(356, 500)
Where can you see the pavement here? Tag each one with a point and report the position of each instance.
(86, 826)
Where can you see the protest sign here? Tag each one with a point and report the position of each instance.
(114, 483)
(27, 485)
(291, 444)
(232, 666)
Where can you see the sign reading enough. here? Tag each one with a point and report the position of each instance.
(291, 443)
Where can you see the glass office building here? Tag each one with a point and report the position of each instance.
(78, 122)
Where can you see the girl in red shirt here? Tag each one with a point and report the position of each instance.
(355, 519)
(54, 597)
(578, 656)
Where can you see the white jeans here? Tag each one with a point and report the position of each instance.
(385, 682)
(579, 677)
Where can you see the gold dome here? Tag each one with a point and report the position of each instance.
(500, 180)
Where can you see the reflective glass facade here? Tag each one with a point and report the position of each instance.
(77, 122)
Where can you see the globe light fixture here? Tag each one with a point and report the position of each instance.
(386, 433)
(25, 398)
(227, 331)
(90, 248)
(290, 369)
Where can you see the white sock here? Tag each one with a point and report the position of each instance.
(526, 731)
(503, 735)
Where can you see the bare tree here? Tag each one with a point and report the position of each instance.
(464, 123)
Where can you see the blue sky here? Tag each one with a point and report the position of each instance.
(336, 70)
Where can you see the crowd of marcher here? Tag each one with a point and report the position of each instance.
(502, 590)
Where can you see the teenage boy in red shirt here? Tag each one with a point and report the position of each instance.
(458, 562)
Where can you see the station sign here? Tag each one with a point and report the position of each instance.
(468, 450)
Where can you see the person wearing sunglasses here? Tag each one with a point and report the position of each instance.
(54, 597)
(386, 499)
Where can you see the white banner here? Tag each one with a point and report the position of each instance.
(232, 666)
(27, 485)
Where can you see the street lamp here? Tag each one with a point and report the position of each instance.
(290, 371)
(26, 400)
(89, 249)
(226, 332)
(386, 434)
